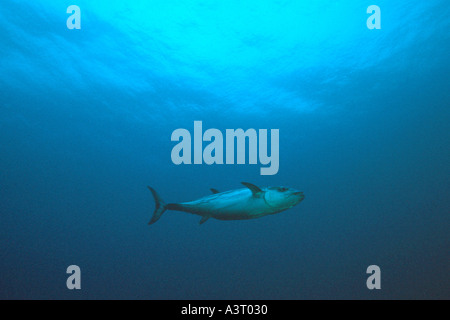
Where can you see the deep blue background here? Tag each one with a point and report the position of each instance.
(85, 123)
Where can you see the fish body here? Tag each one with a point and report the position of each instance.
(240, 204)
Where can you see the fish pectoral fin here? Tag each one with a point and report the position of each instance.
(257, 192)
(204, 218)
(214, 191)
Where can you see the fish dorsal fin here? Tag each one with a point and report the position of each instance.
(257, 192)
(214, 191)
(204, 218)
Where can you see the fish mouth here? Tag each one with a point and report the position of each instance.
(299, 195)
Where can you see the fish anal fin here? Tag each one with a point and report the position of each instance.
(204, 218)
(214, 191)
(257, 192)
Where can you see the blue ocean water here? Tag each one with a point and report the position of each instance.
(86, 118)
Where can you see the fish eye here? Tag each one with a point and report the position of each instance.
(283, 189)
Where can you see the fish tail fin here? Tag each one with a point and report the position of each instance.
(160, 206)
